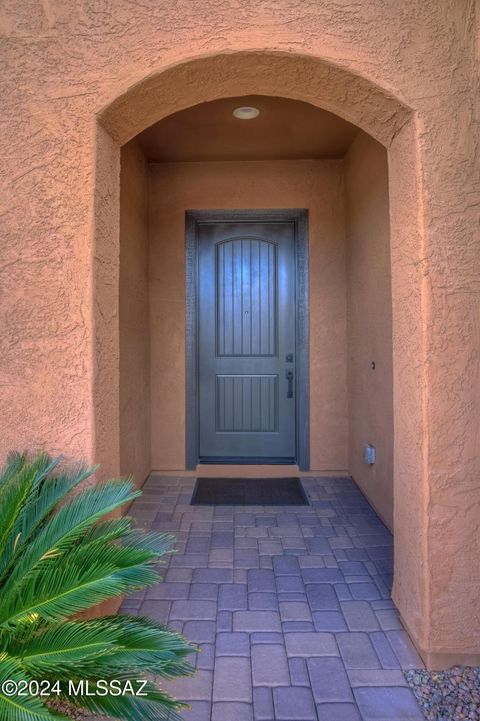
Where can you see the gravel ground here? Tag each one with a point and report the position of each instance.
(452, 695)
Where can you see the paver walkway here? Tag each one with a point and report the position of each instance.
(290, 605)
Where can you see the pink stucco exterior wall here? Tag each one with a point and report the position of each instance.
(369, 321)
(78, 81)
(315, 185)
(134, 316)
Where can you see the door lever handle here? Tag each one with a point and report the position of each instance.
(289, 377)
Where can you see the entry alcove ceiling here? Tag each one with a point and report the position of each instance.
(285, 129)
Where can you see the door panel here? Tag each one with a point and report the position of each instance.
(247, 404)
(246, 330)
(246, 299)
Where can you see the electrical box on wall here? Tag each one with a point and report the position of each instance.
(369, 455)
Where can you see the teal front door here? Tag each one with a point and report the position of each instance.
(246, 342)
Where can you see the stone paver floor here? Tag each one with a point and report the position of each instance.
(290, 605)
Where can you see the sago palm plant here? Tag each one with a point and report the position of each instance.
(58, 557)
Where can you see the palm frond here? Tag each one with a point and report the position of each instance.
(143, 645)
(71, 521)
(65, 591)
(45, 494)
(141, 632)
(21, 708)
(64, 646)
(14, 463)
(159, 543)
(110, 555)
(106, 531)
(156, 706)
(17, 480)
(58, 558)
(48, 495)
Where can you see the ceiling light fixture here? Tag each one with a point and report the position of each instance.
(246, 112)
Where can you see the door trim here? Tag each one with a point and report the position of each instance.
(193, 219)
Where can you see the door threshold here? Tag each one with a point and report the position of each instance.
(238, 461)
(253, 471)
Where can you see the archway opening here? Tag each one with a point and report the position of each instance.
(387, 122)
(293, 155)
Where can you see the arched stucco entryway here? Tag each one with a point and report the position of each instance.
(392, 123)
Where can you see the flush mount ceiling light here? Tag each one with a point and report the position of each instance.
(246, 112)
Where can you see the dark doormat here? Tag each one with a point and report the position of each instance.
(249, 492)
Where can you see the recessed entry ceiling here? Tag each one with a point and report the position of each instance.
(284, 129)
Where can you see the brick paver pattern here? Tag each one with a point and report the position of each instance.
(290, 606)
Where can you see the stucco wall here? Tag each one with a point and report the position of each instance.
(369, 321)
(134, 316)
(316, 185)
(405, 72)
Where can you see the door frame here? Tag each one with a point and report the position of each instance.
(195, 218)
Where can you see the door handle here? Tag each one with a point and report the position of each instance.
(289, 377)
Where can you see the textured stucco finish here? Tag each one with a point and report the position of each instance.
(315, 185)
(404, 72)
(134, 316)
(369, 321)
